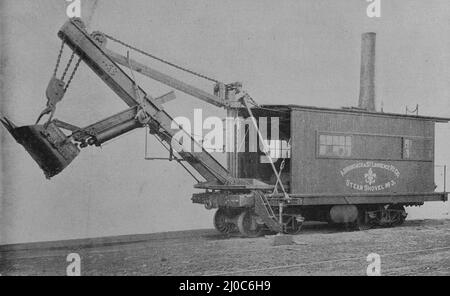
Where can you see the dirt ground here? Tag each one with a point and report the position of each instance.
(419, 247)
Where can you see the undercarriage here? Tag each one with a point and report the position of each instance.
(241, 214)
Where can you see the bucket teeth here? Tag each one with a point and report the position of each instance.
(8, 124)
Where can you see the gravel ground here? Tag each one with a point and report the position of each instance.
(419, 247)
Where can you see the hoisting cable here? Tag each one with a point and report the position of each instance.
(251, 100)
(160, 59)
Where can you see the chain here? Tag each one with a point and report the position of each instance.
(159, 59)
(69, 63)
(58, 60)
(68, 66)
(56, 87)
(72, 75)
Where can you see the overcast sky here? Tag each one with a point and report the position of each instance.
(303, 52)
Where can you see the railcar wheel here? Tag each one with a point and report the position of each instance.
(399, 217)
(292, 225)
(248, 225)
(221, 222)
(364, 221)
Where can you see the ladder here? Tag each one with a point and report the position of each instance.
(265, 212)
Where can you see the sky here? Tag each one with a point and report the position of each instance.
(304, 52)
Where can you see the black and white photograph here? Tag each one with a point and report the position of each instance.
(224, 138)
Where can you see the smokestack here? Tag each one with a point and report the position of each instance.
(367, 83)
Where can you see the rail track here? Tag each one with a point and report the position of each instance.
(418, 248)
(331, 261)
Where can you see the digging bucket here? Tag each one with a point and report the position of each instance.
(48, 146)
